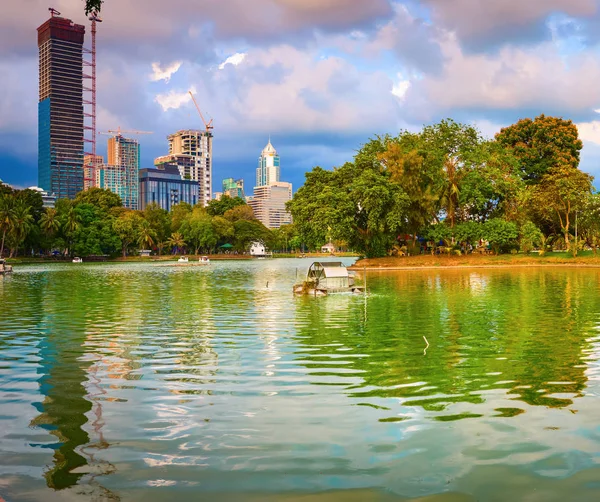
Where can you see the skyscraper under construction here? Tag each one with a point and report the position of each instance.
(60, 108)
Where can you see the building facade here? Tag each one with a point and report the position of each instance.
(233, 188)
(124, 154)
(268, 170)
(166, 188)
(60, 107)
(191, 152)
(113, 178)
(268, 204)
(90, 165)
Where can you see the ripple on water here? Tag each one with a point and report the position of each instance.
(115, 379)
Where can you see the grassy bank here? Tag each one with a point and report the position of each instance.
(586, 258)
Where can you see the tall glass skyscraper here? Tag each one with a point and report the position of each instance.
(60, 108)
(125, 154)
(268, 166)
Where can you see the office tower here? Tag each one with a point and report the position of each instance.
(191, 152)
(60, 107)
(233, 188)
(268, 204)
(268, 166)
(166, 188)
(122, 171)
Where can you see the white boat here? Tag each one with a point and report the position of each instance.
(204, 259)
(77, 260)
(183, 259)
(327, 277)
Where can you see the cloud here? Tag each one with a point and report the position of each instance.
(173, 99)
(512, 79)
(159, 73)
(401, 87)
(234, 60)
(480, 24)
(589, 132)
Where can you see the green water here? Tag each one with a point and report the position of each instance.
(161, 383)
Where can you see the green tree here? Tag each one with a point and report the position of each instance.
(224, 229)
(176, 241)
(92, 6)
(146, 235)
(499, 233)
(588, 222)
(127, 227)
(99, 197)
(530, 236)
(22, 224)
(198, 230)
(160, 223)
(559, 193)
(237, 213)
(225, 203)
(7, 217)
(248, 231)
(542, 144)
(179, 213)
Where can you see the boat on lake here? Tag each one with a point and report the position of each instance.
(205, 260)
(77, 260)
(4, 268)
(183, 259)
(326, 277)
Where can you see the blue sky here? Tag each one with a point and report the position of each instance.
(320, 76)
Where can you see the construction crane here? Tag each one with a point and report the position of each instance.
(119, 132)
(53, 12)
(208, 125)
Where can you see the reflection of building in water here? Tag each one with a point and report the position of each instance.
(63, 410)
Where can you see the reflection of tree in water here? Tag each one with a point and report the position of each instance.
(522, 332)
(64, 370)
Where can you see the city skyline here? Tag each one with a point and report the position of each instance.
(321, 82)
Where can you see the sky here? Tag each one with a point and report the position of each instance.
(320, 77)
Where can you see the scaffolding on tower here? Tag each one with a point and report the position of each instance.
(91, 160)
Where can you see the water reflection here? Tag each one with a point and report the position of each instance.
(161, 382)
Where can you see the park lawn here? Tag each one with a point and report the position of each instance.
(585, 258)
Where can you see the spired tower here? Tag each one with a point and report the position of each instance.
(268, 166)
(60, 107)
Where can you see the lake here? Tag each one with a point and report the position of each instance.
(148, 382)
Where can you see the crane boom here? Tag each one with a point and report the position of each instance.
(208, 125)
(119, 132)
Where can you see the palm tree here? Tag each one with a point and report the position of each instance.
(22, 223)
(176, 240)
(450, 192)
(71, 225)
(49, 222)
(7, 216)
(146, 236)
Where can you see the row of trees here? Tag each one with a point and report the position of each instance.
(96, 223)
(522, 189)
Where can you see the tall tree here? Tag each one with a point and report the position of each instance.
(7, 217)
(225, 203)
(22, 224)
(559, 194)
(542, 144)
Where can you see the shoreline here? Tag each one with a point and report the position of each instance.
(428, 262)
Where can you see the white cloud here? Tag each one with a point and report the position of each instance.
(165, 73)
(401, 87)
(234, 60)
(589, 132)
(173, 99)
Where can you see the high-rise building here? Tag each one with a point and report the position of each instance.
(124, 153)
(90, 165)
(166, 188)
(268, 166)
(233, 188)
(268, 204)
(113, 178)
(191, 152)
(270, 194)
(60, 107)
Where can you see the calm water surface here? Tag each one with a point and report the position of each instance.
(162, 383)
